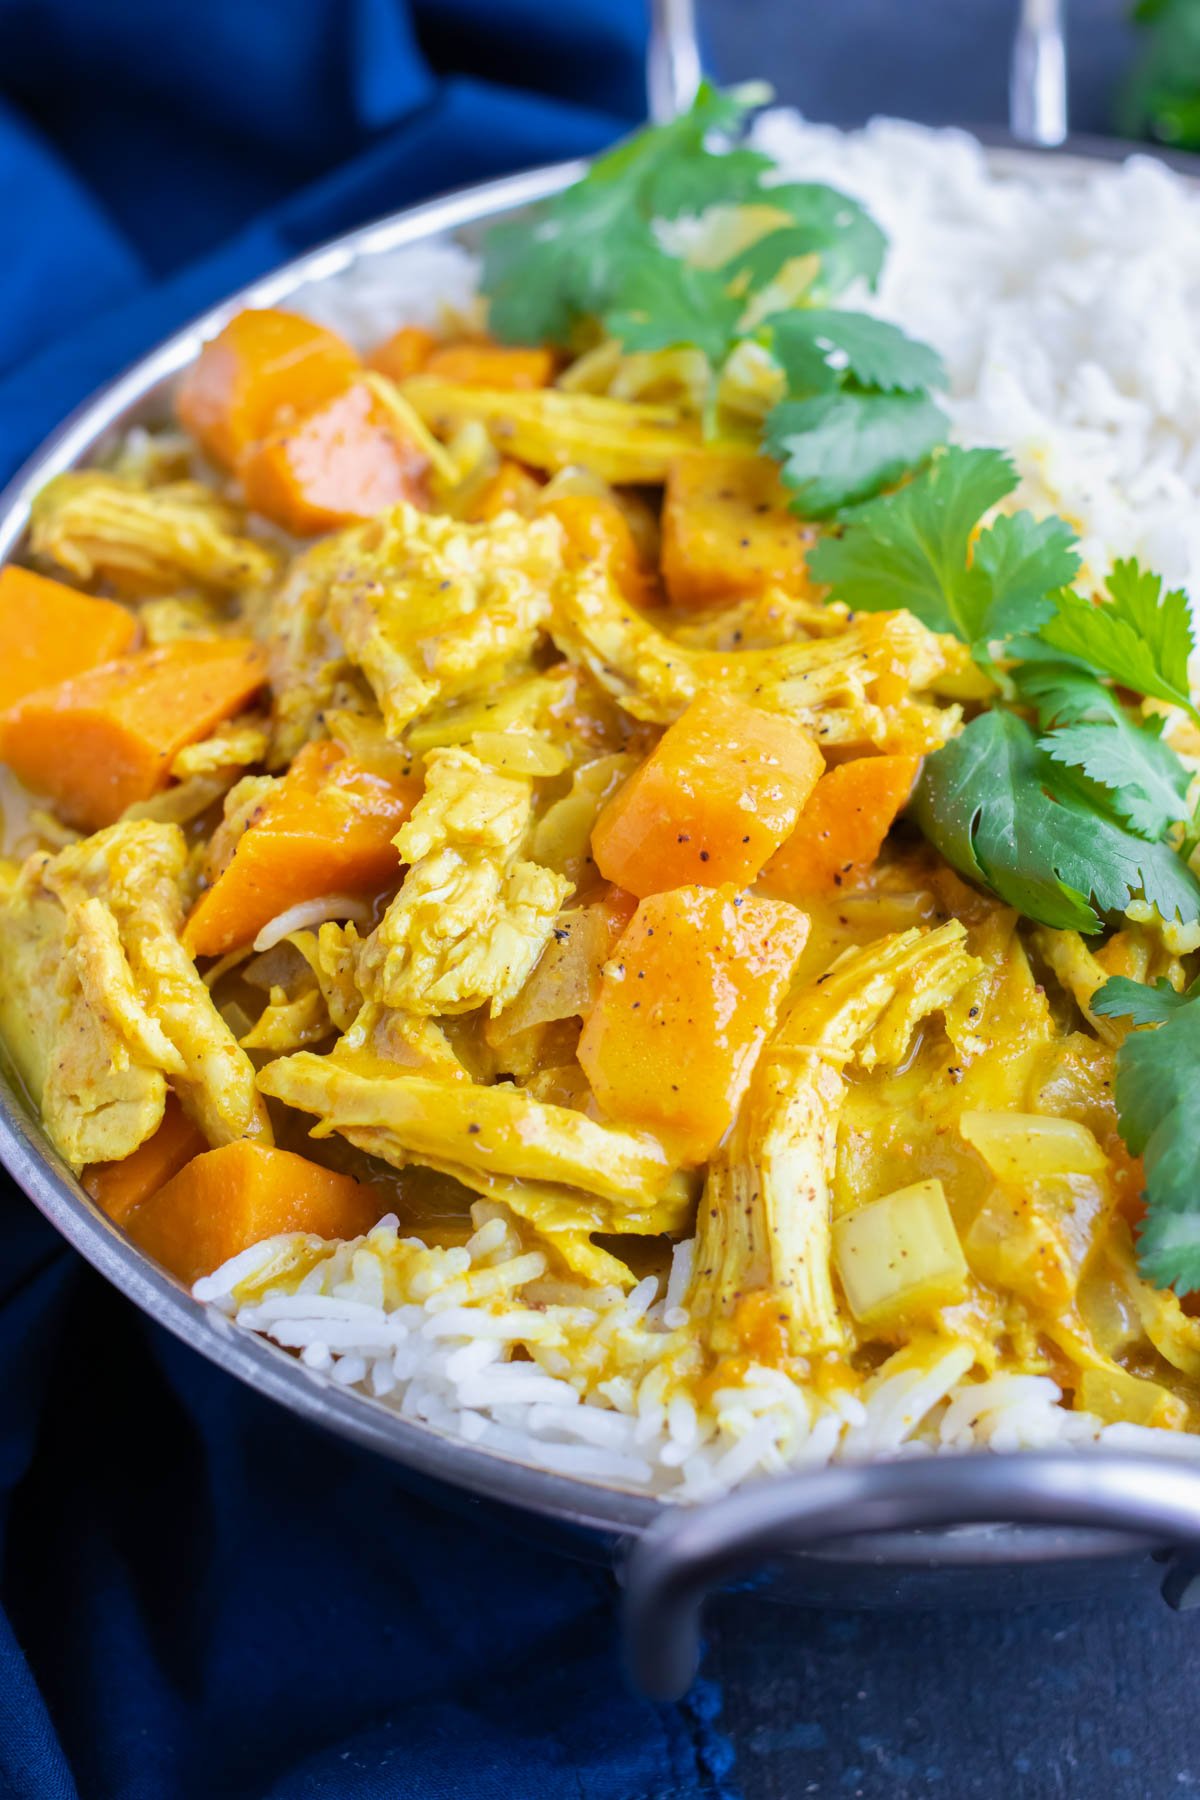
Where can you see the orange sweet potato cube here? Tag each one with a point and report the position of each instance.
(264, 365)
(727, 531)
(107, 738)
(687, 1000)
(716, 797)
(405, 353)
(491, 366)
(511, 488)
(326, 829)
(598, 531)
(227, 1199)
(48, 633)
(841, 830)
(343, 461)
(118, 1187)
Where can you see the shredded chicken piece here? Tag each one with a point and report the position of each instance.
(233, 746)
(472, 916)
(563, 704)
(121, 891)
(331, 952)
(286, 1024)
(764, 1217)
(310, 671)
(88, 1065)
(858, 688)
(618, 440)
(178, 616)
(106, 527)
(425, 607)
(564, 1172)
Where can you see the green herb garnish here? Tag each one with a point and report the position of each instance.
(998, 808)
(1157, 1073)
(914, 549)
(857, 414)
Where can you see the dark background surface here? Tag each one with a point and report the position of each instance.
(942, 61)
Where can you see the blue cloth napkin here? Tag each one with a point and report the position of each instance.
(201, 1596)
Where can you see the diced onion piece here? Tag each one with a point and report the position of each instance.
(900, 1256)
(1117, 1397)
(1022, 1147)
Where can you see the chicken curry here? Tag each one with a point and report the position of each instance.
(452, 777)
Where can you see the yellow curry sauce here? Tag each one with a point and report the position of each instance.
(496, 817)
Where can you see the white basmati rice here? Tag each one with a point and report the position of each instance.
(1067, 309)
(445, 1365)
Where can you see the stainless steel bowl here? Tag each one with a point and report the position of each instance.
(885, 1534)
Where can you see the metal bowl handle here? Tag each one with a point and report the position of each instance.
(690, 1550)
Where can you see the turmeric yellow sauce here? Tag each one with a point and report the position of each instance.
(438, 792)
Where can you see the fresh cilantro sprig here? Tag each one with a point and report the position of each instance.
(1004, 815)
(1071, 825)
(921, 548)
(1141, 637)
(818, 347)
(835, 449)
(595, 251)
(1087, 728)
(858, 413)
(1157, 1072)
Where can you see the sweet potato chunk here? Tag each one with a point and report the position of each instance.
(727, 531)
(341, 463)
(716, 797)
(266, 365)
(326, 829)
(491, 366)
(228, 1199)
(598, 531)
(405, 353)
(686, 1003)
(117, 1187)
(511, 489)
(48, 633)
(841, 830)
(99, 742)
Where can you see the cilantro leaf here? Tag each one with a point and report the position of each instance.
(1159, 1121)
(538, 281)
(1065, 693)
(911, 548)
(825, 223)
(841, 447)
(1169, 1241)
(571, 258)
(813, 345)
(1025, 561)
(1141, 636)
(683, 186)
(665, 302)
(1147, 783)
(1121, 998)
(566, 260)
(996, 808)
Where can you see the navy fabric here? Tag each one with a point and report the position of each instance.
(202, 1597)
(155, 154)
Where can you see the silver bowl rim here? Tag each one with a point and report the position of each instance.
(29, 1157)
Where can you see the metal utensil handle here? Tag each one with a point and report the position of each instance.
(1037, 89)
(673, 67)
(690, 1550)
